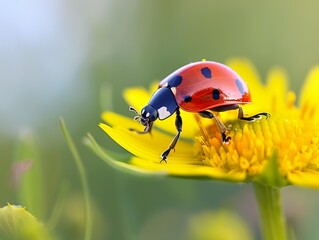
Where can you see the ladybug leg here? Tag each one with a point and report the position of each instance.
(147, 129)
(220, 126)
(251, 118)
(178, 124)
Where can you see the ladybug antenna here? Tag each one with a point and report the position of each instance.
(133, 110)
(138, 116)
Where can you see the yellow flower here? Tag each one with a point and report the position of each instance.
(215, 225)
(278, 151)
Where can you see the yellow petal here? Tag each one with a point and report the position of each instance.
(147, 145)
(305, 178)
(137, 97)
(189, 170)
(276, 91)
(123, 166)
(310, 88)
(114, 119)
(309, 97)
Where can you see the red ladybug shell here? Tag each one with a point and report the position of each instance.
(206, 85)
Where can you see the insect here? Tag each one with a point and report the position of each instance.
(201, 87)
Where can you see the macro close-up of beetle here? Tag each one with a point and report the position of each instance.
(201, 87)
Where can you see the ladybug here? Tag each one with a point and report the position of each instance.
(200, 87)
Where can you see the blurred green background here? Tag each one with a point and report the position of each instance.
(57, 57)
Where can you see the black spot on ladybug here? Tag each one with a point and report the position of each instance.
(240, 87)
(175, 81)
(187, 98)
(207, 73)
(216, 94)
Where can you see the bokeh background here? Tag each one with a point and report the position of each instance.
(74, 58)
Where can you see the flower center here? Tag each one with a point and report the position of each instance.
(252, 145)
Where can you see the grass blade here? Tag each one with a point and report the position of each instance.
(84, 182)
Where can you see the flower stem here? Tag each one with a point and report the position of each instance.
(271, 214)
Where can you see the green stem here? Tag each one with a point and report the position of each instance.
(80, 166)
(271, 214)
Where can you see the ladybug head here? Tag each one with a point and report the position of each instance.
(149, 114)
(147, 117)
